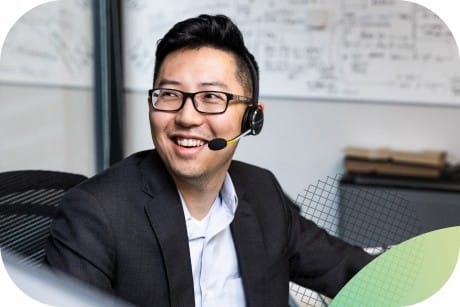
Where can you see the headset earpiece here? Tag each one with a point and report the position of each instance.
(253, 119)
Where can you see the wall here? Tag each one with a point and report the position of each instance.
(50, 128)
(46, 90)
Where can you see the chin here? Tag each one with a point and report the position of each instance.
(188, 174)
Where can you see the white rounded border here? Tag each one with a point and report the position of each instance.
(447, 10)
(11, 11)
(448, 295)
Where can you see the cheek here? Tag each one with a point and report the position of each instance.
(227, 124)
(158, 119)
(157, 123)
(237, 118)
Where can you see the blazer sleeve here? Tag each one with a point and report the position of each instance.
(318, 260)
(80, 242)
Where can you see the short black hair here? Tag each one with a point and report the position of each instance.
(217, 31)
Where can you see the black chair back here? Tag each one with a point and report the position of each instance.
(28, 202)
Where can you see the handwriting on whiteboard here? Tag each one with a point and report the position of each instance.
(336, 49)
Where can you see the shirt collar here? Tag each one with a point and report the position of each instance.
(227, 194)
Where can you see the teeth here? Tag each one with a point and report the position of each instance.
(190, 142)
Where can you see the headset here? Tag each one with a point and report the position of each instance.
(253, 118)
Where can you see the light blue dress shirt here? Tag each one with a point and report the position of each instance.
(216, 276)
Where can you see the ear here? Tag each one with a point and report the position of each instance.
(261, 106)
(149, 103)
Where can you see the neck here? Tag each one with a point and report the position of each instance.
(199, 195)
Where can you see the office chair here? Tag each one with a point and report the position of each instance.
(28, 201)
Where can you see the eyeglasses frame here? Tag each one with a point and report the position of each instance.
(230, 98)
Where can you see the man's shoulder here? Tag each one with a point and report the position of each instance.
(132, 162)
(249, 173)
(126, 172)
(135, 159)
(239, 166)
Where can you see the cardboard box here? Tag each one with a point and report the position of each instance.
(383, 161)
(423, 158)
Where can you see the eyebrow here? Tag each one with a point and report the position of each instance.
(165, 82)
(216, 83)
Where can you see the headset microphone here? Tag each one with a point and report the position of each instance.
(220, 143)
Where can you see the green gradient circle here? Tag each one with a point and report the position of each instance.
(407, 274)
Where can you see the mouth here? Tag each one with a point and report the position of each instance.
(189, 142)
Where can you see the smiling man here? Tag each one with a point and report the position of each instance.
(182, 127)
(184, 224)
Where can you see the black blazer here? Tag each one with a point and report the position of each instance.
(124, 231)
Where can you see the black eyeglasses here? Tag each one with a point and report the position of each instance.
(207, 102)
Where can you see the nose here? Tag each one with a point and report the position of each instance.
(188, 116)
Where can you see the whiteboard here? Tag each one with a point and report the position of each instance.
(52, 44)
(354, 50)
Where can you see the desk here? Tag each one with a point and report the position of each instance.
(377, 211)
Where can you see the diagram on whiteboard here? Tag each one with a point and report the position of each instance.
(363, 50)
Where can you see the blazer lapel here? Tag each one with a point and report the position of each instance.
(250, 249)
(166, 217)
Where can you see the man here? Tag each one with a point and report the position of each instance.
(183, 223)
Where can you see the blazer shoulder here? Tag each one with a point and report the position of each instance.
(254, 179)
(121, 175)
(242, 168)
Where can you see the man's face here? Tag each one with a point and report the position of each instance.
(181, 137)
